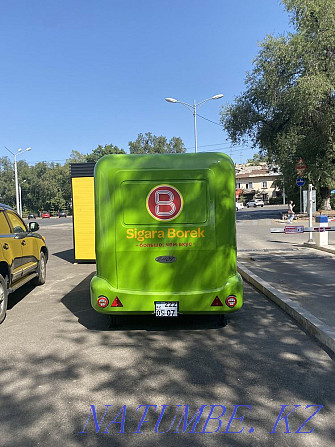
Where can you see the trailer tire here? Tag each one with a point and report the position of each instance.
(222, 320)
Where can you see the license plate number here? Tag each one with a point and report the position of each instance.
(166, 308)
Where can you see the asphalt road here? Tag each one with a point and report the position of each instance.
(59, 358)
(253, 230)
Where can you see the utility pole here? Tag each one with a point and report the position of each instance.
(310, 212)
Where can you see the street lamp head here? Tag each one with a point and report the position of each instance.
(217, 96)
(171, 100)
(29, 148)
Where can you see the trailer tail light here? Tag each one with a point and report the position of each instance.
(217, 302)
(116, 303)
(231, 301)
(102, 301)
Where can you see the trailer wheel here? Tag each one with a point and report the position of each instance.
(3, 298)
(222, 320)
(113, 322)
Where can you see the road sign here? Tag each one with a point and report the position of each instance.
(294, 229)
(300, 181)
(300, 167)
(300, 172)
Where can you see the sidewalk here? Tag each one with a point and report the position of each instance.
(301, 281)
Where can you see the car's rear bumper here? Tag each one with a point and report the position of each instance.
(195, 302)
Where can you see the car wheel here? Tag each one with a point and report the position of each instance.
(262, 206)
(255, 206)
(41, 270)
(3, 298)
(247, 206)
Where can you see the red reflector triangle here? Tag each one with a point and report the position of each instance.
(217, 302)
(117, 303)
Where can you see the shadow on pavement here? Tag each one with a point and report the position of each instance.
(258, 214)
(79, 303)
(261, 359)
(17, 296)
(66, 255)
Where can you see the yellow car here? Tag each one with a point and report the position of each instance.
(23, 255)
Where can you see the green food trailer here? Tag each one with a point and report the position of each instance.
(165, 237)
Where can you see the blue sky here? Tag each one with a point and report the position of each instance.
(79, 73)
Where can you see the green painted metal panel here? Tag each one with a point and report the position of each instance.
(154, 208)
(135, 191)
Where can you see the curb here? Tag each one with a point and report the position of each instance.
(317, 247)
(321, 331)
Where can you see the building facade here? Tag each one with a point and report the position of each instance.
(257, 181)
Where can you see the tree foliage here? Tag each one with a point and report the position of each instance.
(288, 107)
(151, 144)
(258, 159)
(47, 186)
(100, 151)
(44, 186)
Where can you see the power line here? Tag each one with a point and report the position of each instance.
(231, 149)
(200, 116)
(228, 145)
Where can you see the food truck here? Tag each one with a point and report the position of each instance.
(165, 237)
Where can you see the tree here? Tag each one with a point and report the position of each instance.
(76, 157)
(44, 185)
(288, 108)
(101, 151)
(151, 144)
(7, 185)
(258, 159)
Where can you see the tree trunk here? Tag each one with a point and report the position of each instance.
(325, 196)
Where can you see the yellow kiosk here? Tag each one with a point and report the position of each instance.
(82, 182)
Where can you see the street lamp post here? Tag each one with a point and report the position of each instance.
(20, 197)
(19, 151)
(193, 109)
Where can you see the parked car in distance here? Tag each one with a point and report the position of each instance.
(61, 214)
(255, 203)
(45, 215)
(239, 206)
(23, 255)
(31, 216)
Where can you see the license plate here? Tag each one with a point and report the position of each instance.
(166, 308)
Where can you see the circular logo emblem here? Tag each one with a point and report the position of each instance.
(164, 202)
(231, 301)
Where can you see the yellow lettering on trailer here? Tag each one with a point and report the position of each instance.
(201, 233)
(141, 235)
(130, 233)
(171, 233)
